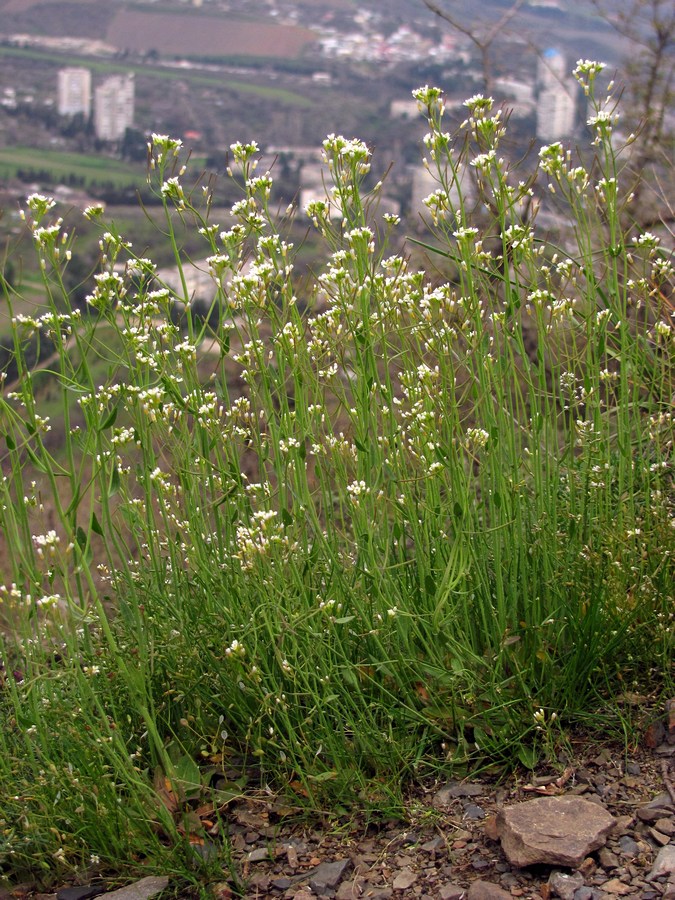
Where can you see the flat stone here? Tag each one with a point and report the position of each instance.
(80, 892)
(451, 891)
(608, 860)
(664, 864)
(584, 893)
(665, 826)
(328, 875)
(553, 830)
(453, 790)
(404, 880)
(565, 885)
(486, 890)
(140, 890)
(616, 887)
(474, 812)
(628, 846)
(651, 814)
(434, 845)
(660, 838)
(258, 855)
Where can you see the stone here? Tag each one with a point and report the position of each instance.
(584, 893)
(258, 855)
(651, 814)
(553, 830)
(328, 875)
(665, 826)
(608, 860)
(404, 880)
(474, 812)
(664, 864)
(141, 890)
(565, 885)
(486, 890)
(453, 790)
(434, 845)
(348, 890)
(451, 891)
(80, 892)
(659, 837)
(633, 768)
(628, 846)
(617, 888)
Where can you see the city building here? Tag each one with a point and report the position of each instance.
(556, 97)
(74, 92)
(114, 107)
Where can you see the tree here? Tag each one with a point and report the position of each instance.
(480, 33)
(649, 92)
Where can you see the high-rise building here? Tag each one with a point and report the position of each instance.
(74, 92)
(556, 97)
(114, 107)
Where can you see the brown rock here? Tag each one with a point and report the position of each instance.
(404, 880)
(553, 830)
(617, 887)
(486, 890)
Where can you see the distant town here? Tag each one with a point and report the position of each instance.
(118, 93)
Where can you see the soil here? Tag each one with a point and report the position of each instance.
(448, 848)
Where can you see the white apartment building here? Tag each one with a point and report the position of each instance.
(114, 107)
(556, 97)
(74, 92)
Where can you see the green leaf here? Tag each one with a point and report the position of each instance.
(344, 620)
(430, 584)
(323, 776)
(286, 518)
(114, 481)
(457, 510)
(528, 756)
(11, 443)
(96, 525)
(110, 420)
(188, 775)
(81, 537)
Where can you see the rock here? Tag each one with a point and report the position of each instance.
(475, 812)
(258, 855)
(660, 838)
(140, 890)
(486, 890)
(404, 880)
(608, 860)
(651, 814)
(453, 790)
(617, 888)
(348, 890)
(665, 826)
(565, 885)
(664, 864)
(633, 768)
(451, 891)
(655, 732)
(584, 893)
(552, 830)
(628, 846)
(80, 892)
(434, 845)
(328, 875)
(670, 716)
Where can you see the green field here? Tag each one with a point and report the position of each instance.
(92, 169)
(288, 98)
